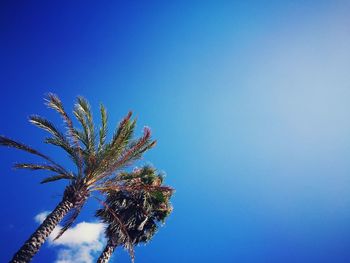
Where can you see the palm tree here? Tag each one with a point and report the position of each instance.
(132, 217)
(97, 162)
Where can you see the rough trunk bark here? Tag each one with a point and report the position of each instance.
(33, 244)
(107, 253)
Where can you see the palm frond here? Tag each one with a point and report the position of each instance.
(55, 103)
(31, 166)
(134, 188)
(4, 141)
(103, 129)
(134, 151)
(119, 144)
(84, 134)
(72, 152)
(83, 107)
(146, 175)
(46, 125)
(122, 135)
(56, 177)
(110, 153)
(58, 139)
(82, 138)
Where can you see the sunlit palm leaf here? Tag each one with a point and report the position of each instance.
(31, 166)
(73, 153)
(83, 108)
(133, 152)
(82, 135)
(4, 141)
(55, 103)
(46, 125)
(56, 177)
(103, 129)
(122, 135)
(111, 152)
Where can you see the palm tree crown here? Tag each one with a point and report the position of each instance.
(132, 217)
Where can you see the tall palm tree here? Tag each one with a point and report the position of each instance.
(132, 217)
(97, 162)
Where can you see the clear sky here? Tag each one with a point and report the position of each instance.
(249, 101)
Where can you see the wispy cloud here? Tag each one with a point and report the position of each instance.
(39, 218)
(78, 244)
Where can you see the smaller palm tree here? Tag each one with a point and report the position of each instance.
(133, 217)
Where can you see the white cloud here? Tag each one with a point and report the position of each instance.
(82, 233)
(39, 218)
(78, 244)
(82, 253)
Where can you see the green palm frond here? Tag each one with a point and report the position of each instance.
(80, 135)
(72, 152)
(56, 177)
(55, 103)
(103, 129)
(46, 125)
(123, 134)
(120, 140)
(107, 172)
(31, 166)
(110, 153)
(83, 135)
(58, 139)
(83, 113)
(124, 131)
(4, 141)
(146, 175)
(133, 151)
(139, 187)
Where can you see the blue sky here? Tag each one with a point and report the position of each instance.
(249, 102)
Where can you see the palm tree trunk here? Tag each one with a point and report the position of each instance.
(33, 244)
(107, 253)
